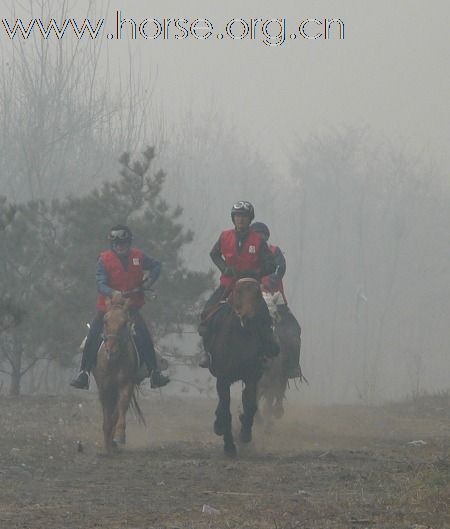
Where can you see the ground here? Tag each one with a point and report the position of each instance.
(351, 467)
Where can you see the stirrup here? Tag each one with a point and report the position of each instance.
(158, 380)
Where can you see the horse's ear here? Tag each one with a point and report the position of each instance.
(108, 303)
(127, 303)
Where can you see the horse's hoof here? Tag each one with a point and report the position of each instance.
(245, 435)
(230, 450)
(218, 428)
(119, 440)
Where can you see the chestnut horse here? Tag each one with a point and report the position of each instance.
(234, 356)
(115, 372)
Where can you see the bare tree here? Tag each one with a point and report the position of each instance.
(372, 227)
(63, 121)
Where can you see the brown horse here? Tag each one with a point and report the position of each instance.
(273, 384)
(234, 356)
(115, 372)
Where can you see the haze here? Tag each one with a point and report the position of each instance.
(237, 119)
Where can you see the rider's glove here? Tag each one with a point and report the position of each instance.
(147, 278)
(116, 294)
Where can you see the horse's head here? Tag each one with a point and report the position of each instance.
(115, 328)
(246, 294)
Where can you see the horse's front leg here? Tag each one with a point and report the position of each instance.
(108, 401)
(249, 404)
(222, 424)
(123, 403)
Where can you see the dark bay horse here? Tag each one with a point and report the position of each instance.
(115, 372)
(273, 384)
(234, 356)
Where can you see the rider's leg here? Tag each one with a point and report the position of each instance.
(144, 344)
(215, 298)
(263, 321)
(89, 355)
(203, 328)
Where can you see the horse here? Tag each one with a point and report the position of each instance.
(115, 371)
(273, 384)
(234, 356)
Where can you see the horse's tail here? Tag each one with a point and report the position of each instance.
(136, 408)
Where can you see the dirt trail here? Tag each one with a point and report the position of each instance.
(322, 467)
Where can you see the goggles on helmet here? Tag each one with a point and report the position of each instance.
(243, 206)
(120, 235)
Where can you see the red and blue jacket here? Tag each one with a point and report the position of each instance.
(124, 274)
(274, 282)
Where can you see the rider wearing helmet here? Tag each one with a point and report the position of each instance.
(241, 252)
(274, 283)
(122, 269)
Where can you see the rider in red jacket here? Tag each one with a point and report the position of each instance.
(274, 283)
(241, 252)
(122, 269)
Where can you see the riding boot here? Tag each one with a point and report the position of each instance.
(158, 380)
(89, 355)
(81, 381)
(146, 349)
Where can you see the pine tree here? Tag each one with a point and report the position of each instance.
(134, 199)
(48, 271)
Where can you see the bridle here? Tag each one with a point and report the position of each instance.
(242, 280)
(120, 335)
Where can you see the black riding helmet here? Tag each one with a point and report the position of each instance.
(120, 234)
(243, 207)
(261, 228)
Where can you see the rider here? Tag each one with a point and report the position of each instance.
(239, 253)
(122, 269)
(274, 283)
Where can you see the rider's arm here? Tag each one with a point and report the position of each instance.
(280, 263)
(153, 266)
(101, 278)
(216, 256)
(268, 265)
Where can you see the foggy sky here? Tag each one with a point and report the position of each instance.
(390, 73)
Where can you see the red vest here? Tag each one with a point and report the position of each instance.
(278, 287)
(121, 279)
(247, 259)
